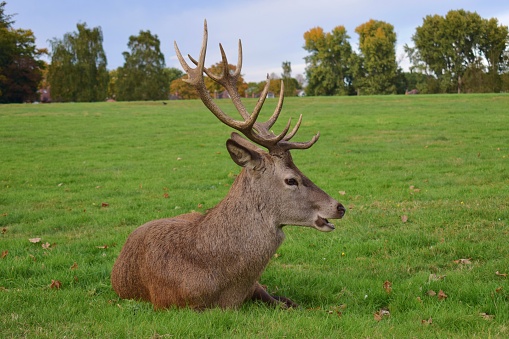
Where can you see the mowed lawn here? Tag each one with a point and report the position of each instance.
(423, 250)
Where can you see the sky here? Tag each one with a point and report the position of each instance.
(271, 30)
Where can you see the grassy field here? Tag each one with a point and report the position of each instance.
(423, 250)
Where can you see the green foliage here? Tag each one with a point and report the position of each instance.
(20, 69)
(290, 84)
(143, 75)
(328, 68)
(375, 70)
(455, 49)
(78, 66)
(439, 160)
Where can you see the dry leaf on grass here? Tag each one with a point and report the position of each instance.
(442, 295)
(432, 293)
(74, 266)
(387, 286)
(4, 254)
(427, 322)
(404, 218)
(380, 314)
(55, 284)
(487, 316)
(501, 274)
(34, 240)
(463, 261)
(434, 277)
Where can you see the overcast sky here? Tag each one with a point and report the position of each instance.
(271, 30)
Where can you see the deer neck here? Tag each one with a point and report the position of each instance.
(248, 212)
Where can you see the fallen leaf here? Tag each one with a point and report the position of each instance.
(55, 284)
(200, 205)
(342, 192)
(387, 286)
(499, 289)
(4, 230)
(166, 195)
(434, 277)
(34, 240)
(404, 218)
(105, 204)
(383, 312)
(487, 316)
(501, 274)
(419, 299)
(4, 254)
(103, 246)
(74, 266)
(432, 293)
(46, 246)
(426, 322)
(442, 295)
(463, 261)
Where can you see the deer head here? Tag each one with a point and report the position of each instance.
(306, 204)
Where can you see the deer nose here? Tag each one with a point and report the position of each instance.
(341, 210)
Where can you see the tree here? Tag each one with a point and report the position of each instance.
(290, 83)
(328, 66)
(493, 44)
(457, 48)
(375, 67)
(78, 66)
(20, 67)
(143, 76)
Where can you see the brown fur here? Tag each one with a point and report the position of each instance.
(216, 259)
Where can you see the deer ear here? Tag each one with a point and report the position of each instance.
(243, 155)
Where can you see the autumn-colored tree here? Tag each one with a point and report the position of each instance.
(20, 67)
(375, 68)
(215, 88)
(182, 90)
(78, 66)
(328, 66)
(143, 76)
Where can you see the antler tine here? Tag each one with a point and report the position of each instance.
(269, 123)
(294, 130)
(285, 145)
(255, 131)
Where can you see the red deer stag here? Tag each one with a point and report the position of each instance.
(215, 260)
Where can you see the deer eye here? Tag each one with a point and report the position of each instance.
(291, 182)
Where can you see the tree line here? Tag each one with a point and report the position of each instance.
(459, 52)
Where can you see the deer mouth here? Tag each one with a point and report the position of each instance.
(323, 225)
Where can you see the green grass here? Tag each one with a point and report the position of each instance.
(440, 161)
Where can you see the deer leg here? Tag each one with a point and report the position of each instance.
(259, 293)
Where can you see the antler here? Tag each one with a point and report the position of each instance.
(255, 131)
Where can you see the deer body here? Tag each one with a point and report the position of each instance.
(215, 259)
